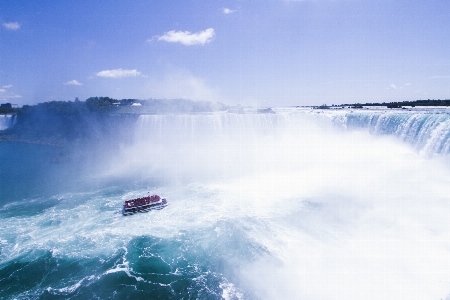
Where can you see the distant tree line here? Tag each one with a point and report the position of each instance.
(400, 104)
(8, 108)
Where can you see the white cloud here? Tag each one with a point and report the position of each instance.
(12, 25)
(187, 38)
(228, 11)
(6, 96)
(72, 82)
(118, 73)
(405, 85)
(393, 86)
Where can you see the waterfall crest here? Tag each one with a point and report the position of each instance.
(428, 132)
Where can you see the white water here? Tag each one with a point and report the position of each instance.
(329, 214)
(428, 129)
(345, 215)
(6, 121)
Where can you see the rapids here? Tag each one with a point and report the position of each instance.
(300, 204)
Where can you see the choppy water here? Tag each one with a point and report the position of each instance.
(301, 204)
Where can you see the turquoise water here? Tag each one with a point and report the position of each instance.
(279, 206)
(28, 170)
(58, 240)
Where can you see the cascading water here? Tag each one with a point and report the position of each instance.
(7, 121)
(261, 206)
(428, 131)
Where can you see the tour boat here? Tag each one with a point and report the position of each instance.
(143, 204)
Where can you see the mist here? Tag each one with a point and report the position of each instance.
(348, 215)
(284, 205)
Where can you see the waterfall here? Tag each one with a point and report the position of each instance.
(7, 121)
(322, 204)
(427, 131)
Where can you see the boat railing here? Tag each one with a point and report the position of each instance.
(142, 201)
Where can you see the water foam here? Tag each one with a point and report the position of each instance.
(291, 207)
(7, 121)
(428, 130)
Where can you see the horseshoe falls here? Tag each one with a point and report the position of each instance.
(300, 204)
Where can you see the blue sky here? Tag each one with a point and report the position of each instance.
(259, 53)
